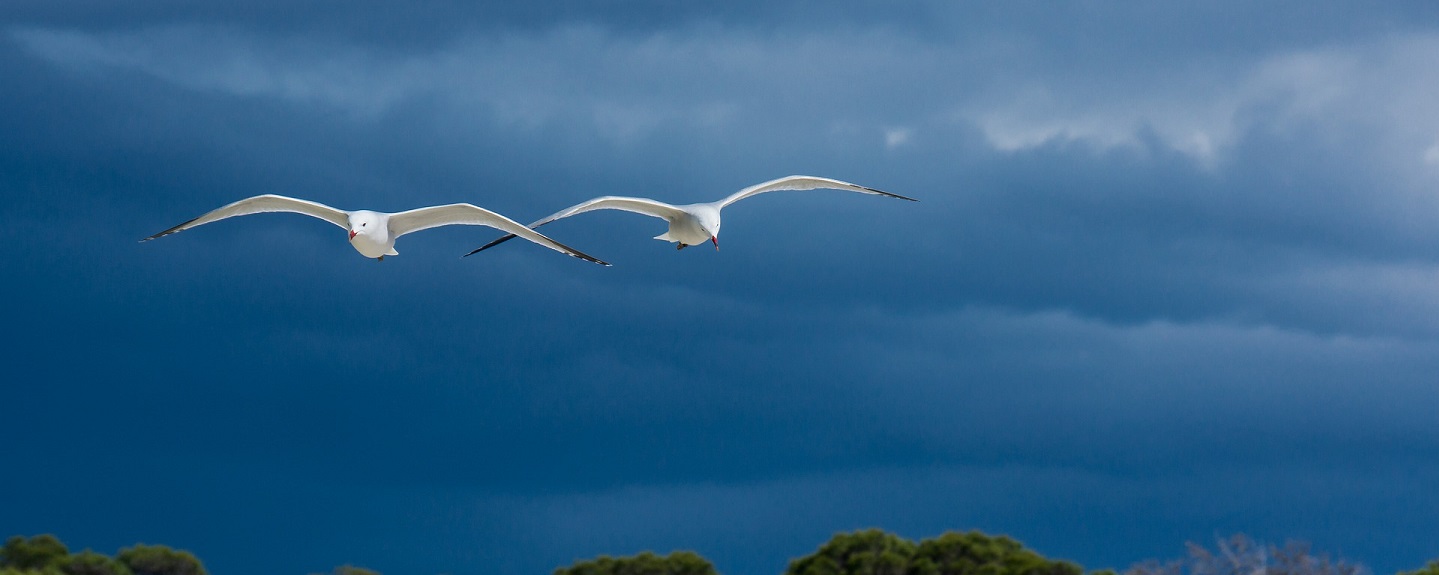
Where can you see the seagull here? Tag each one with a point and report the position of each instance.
(373, 234)
(695, 224)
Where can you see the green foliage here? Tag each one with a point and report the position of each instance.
(160, 560)
(975, 553)
(89, 562)
(874, 552)
(1431, 569)
(52, 570)
(647, 563)
(33, 554)
(871, 552)
(351, 570)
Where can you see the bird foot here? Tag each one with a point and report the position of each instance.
(380, 259)
(680, 247)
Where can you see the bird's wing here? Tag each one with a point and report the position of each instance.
(265, 203)
(470, 215)
(803, 183)
(637, 205)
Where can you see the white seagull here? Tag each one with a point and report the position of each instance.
(694, 224)
(373, 234)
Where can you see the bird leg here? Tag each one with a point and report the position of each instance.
(380, 259)
(680, 246)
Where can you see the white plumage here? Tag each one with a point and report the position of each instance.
(373, 234)
(694, 224)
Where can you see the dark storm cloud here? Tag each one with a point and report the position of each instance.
(1078, 31)
(1175, 183)
(1162, 256)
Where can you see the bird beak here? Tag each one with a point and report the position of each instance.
(352, 234)
(716, 242)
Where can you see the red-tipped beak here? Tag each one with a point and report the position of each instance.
(716, 242)
(352, 234)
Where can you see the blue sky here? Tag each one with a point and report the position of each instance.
(1172, 275)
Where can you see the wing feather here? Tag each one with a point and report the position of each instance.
(471, 215)
(804, 183)
(637, 205)
(264, 203)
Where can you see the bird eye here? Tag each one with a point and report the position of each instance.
(364, 224)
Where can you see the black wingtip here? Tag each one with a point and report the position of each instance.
(579, 254)
(884, 193)
(176, 229)
(584, 256)
(572, 251)
(480, 249)
(490, 245)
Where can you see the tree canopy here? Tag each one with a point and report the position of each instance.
(351, 570)
(871, 552)
(159, 560)
(89, 562)
(35, 553)
(975, 553)
(875, 552)
(867, 552)
(646, 563)
(1431, 569)
(46, 555)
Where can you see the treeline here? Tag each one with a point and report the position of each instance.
(875, 552)
(869, 552)
(46, 555)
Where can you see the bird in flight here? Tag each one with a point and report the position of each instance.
(373, 234)
(694, 224)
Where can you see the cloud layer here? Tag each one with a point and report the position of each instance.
(1170, 276)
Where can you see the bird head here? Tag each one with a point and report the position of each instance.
(368, 224)
(709, 221)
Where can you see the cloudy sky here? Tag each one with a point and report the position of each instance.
(1174, 274)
